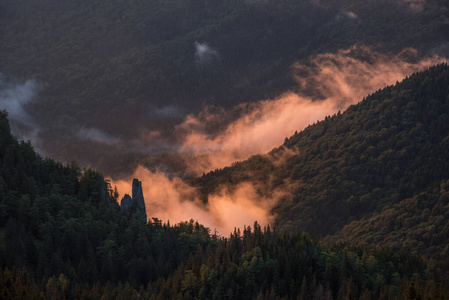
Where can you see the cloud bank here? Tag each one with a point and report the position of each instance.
(327, 83)
(173, 200)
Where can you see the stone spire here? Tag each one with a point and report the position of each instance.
(136, 203)
(138, 199)
(126, 204)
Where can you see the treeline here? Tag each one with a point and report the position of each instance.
(255, 264)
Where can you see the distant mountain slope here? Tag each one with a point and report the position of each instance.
(123, 58)
(386, 158)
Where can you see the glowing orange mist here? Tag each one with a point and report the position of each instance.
(174, 201)
(339, 79)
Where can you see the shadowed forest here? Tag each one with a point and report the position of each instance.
(64, 236)
(287, 149)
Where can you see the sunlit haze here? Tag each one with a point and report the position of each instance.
(327, 84)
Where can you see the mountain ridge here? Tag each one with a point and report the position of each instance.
(389, 148)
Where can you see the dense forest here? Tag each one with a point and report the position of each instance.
(120, 66)
(362, 207)
(62, 234)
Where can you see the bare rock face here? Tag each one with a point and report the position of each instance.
(138, 199)
(136, 203)
(126, 204)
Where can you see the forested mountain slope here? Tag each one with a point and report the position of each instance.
(62, 236)
(382, 164)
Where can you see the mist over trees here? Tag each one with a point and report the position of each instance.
(120, 69)
(63, 235)
(374, 174)
(360, 199)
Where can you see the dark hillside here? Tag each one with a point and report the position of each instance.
(63, 237)
(62, 221)
(389, 153)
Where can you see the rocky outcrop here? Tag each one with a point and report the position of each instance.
(126, 204)
(136, 203)
(138, 197)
